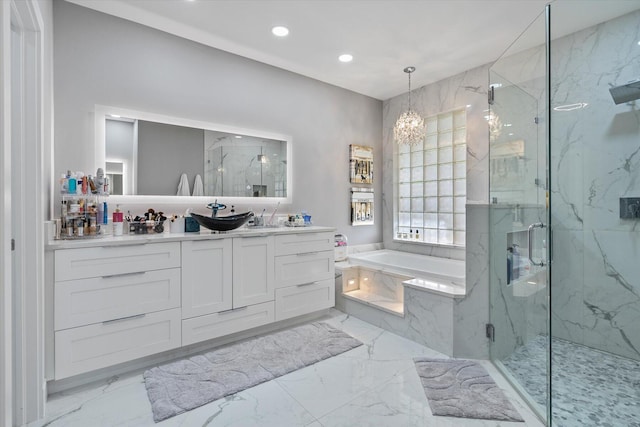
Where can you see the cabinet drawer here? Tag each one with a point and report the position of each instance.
(85, 301)
(112, 260)
(226, 322)
(304, 268)
(100, 345)
(303, 299)
(289, 244)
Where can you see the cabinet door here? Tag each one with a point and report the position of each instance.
(206, 277)
(253, 269)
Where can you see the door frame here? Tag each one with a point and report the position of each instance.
(6, 347)
(22, 383)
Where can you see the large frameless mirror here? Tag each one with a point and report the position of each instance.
(146, 154)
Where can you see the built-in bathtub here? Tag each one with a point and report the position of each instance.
(409, 294)
(444, 270)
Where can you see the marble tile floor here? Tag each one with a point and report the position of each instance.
(372, 385)
(590, 388)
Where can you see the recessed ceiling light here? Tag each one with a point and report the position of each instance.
(280, 31)
(239, 136)
(115, 116)
(345, 57)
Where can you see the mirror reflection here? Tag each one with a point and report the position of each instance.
(144, 157)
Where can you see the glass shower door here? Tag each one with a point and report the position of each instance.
(518, 216)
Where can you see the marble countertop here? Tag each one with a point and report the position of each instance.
(204, 234)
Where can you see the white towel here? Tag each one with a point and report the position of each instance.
(183, 187)
(198, 188)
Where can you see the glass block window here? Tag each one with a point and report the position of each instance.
(432, 183)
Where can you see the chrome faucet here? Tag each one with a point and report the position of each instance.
(215, 207)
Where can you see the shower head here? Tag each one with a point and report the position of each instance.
(626, 92)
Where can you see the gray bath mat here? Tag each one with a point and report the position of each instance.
(187, 384)
(464, 389)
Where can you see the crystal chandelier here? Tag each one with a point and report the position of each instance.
(409, 128)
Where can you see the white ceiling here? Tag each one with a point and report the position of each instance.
(439, 37)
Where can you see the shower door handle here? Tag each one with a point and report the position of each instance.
(531, 228)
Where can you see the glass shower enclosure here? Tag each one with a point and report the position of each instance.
(564, 169)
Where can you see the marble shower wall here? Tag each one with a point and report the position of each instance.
(595, 154)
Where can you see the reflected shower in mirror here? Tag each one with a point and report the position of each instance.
(151, 155)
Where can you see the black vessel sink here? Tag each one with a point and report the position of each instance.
(222, 223)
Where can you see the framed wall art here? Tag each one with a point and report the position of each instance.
(362, 206)
(361, 164)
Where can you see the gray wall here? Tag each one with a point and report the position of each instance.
(158, 142)
(100, 59)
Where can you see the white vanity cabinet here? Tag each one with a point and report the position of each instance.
(241, 294)
(114, 304)
(305, 275)
(127, 299)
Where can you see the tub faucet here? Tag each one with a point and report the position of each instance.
(215, 207)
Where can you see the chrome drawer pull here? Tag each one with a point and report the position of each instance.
(137, 316)
(135, 273)
(120, 244)
(308, 284)
(308, 254)
(232, 309)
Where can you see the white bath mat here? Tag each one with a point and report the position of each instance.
(187, 384)
(464, 389)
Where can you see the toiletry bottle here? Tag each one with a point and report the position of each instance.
(79, 176)
(105, 213)
(99, 181)
(71, 184)
(64, 181)
(117, 222)
(92, 185)
(515, 262)
(417, 234)
(509, 265)
(100, 212)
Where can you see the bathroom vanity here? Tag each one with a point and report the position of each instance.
(116, 299)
